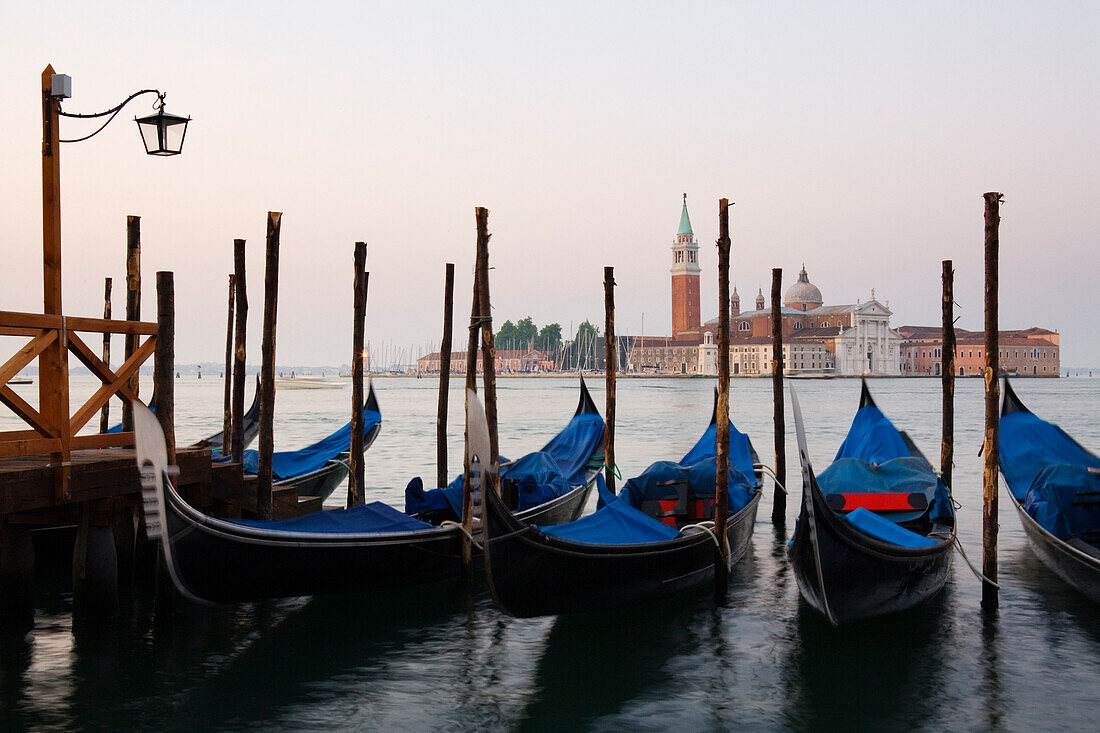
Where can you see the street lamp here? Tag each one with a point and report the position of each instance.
(162, 133)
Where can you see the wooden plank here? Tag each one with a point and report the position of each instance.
(102, 440)
(26, 355)
(39, 321)
(27, 413)
(105, 413)
(97, 366)
(29, 446)
(104, 393)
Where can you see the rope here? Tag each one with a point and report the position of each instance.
(475, 543)
(707, 527)
(977, 573)
(771, 473)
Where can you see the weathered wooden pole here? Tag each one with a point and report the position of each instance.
(105, 413)
(53, 363)
(471, 385)
(357, 495)
(990, 450)
(488, 351)
(722, 426)
(267, 375)
(444, 377)
(164, 361)
(239, 339)
(133, 308)
(947, 374)
(227, 386)
(779, 496)
(611, 360)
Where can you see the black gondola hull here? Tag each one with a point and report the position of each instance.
(1079, 569)
(217, 561)
(863, 578)
(534, 574)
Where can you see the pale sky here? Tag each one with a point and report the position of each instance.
(857, 137)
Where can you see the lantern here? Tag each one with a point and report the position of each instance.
(162, 133)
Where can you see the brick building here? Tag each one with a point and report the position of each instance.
(1033, 352)
(507, 361)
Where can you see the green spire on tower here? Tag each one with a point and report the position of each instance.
(685, 222)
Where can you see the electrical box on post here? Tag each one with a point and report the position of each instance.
(61, 86)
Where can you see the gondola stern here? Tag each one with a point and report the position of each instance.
(585, 405)
(865, 398)
(372, 399)
(1010, 402)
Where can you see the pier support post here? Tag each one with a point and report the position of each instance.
(240, 297)
(95, 570)
(947, 374)
(488, 349)
(722, 425)
(267, 378)
(444, 377)
(16, 575)
(779, 496)
(227, 375)
(164, 362)
(105, 413)
(611, 360)
(356, 491)
(133, 308)
(990, 450)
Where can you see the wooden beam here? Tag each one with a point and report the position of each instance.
(779, 431)
(26, 355)
(104, 393)
(18, 320)
(29, 446)
(611, 354)
(27, 413)
(488, 349)
(105, 413)
(96, 366)
(227, 375)
(722, 409)
(990, 449)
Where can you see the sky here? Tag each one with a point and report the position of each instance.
(855, 137)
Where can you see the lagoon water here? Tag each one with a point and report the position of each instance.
(432, 660)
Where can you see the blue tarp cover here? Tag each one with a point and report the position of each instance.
(883, 529)
(1028, 445)
(707, 447)
(618, 523)
(286, 464)
(872, 438)
(373, 518)
(654, 483)
(542, 476)
(1065, 500)
(901, 475)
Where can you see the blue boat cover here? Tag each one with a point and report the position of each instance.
(286, 464)
(872, 438)
(658, 482)
(707, 447)
(1065, 500)
(373, 518)
(541, 476)
(901, 475)
(618, 523)
(1028, 445)
(883, 529)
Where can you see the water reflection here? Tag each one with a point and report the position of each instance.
(882, 674)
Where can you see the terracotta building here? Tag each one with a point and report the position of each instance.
(1034, 352)
(507, 361)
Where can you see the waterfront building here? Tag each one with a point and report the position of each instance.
(525, 361)
(1032, 352)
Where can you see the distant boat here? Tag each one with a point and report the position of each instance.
(308, 383)
(21, 380)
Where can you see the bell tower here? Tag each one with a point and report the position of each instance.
(685, 278)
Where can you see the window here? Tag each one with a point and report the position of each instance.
(679, 255)
(743, 326)
(798, 326)
(691, 256)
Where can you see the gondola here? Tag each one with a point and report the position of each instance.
(367, 548)
(1054, 483)
(547, 487)
(876, 528)
(650, 541)
(317, 469)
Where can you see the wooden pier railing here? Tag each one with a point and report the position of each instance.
(53, 430)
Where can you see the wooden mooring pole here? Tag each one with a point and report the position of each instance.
(227, 386)
(444, 377)
(611, 362)
(471, 385)
(779, 495)
(947, 374)
(133, 308)
(239, 340)
(105, 413)
(488, 350)
(357, 495)
(164, 361)
(267, 376)
(722, 427)
(990, 450)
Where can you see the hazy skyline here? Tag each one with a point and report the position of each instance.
(857, 138)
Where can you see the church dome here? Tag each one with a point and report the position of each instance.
(803, 295)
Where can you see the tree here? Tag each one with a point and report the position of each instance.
(526, 332)
(506, 334)
(549, 337)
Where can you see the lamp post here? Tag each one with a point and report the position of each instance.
(163, 135)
